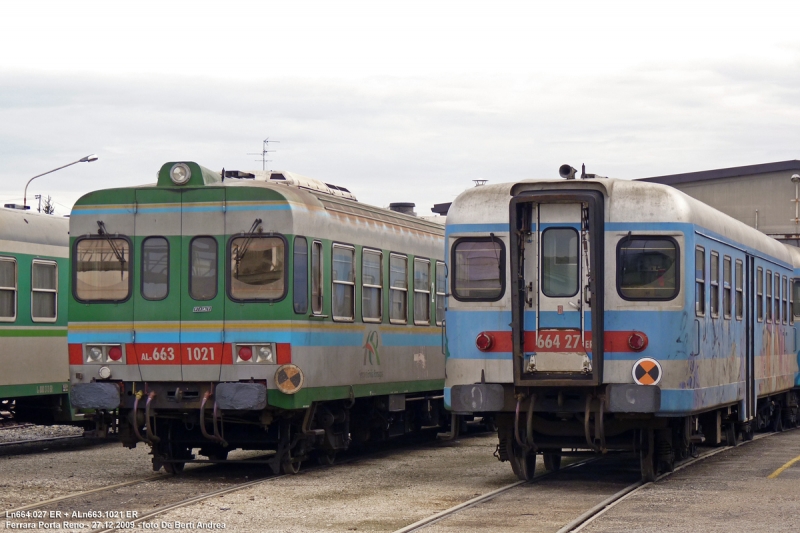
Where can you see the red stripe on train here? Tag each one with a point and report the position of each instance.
(560, 340)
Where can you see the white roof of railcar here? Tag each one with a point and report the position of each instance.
(33, 228)
(628, 201)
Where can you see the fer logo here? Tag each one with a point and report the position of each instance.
(372, 341)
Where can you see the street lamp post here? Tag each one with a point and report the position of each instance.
(87, 159)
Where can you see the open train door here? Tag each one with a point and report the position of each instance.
(557, 308)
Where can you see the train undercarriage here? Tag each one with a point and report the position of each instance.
(194, 429)
(660, 442)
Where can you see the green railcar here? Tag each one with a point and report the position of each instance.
(34, 281)
(214, 311)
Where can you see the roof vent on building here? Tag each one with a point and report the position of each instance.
(407, 208)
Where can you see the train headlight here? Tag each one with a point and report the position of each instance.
(637, 341)
(115, 353)
(484, 341)
(94, 354)
(180, 173)
(261, 353)
(265, 354)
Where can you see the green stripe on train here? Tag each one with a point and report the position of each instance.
(304, 397)
(34, 389)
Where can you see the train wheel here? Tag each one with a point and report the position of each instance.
(730, 435)
(174, 468)
(326, 458)
(647, 456)
(290, 465)
(523, 462)
(552, 461)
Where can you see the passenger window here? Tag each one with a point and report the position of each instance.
(560, 262)
(769, 295)
(700, 281)
(777, 300)
(441, 287)
(795, 299)
(422, 292)
(44, 291)
(155, 268)
(726, 287)
(398, 289)
(647, 268)
(739, 290)
(316, 278)
(300, 278)
(714, 285)
(101, 269)
(203, 268)
(760, 294)
(8, 289)
(371, 285)
(344, 282)
(479, 266)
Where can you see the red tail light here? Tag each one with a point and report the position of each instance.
(245, 353)
(115, 353)
(484, 341)
(637, 341)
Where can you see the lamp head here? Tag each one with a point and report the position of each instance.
(89, 158)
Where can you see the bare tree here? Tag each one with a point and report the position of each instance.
(49, 207)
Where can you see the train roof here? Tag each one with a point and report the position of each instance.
(628, 201)
(300, 192)
(32, 231)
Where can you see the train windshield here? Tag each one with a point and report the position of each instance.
(479, 265)
(257, 268)
(101, 269)
(647, 268)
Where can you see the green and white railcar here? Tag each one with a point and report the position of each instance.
(257, 311)
(34, 270)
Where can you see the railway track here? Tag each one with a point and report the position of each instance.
(573, 526)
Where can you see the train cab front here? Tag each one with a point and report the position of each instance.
(158, 328)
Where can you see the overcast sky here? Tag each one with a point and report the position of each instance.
(398, 101)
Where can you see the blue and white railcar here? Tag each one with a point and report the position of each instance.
(611, 314)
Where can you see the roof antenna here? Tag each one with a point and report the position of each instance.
(263, 153)
(583, 171)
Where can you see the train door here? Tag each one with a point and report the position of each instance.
(559, 254)
(156, 294)
(202, 283)
(750, 312)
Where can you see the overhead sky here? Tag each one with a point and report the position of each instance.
(397, 101)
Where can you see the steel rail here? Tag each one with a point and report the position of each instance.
(425, 522)
(600, 509)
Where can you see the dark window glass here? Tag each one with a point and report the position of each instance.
(344, 278)
(8, 289)
(316, 278)
(648, 268)
(739, 291)
(714, 285)
(785, 293)
(768, 284)
(777, 299)
(398, 288)
(300, 275)
(257, 271)
(101, 270)
(479, 269)
(155, 268)
(560, 262)
(441, 285)
(796, 299)
(371, 285)
(760, 294)
(203, 268)
(726, 287)
(422, 292)
(700, 281)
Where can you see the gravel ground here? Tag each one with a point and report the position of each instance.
(13, 433)
(727, 492)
